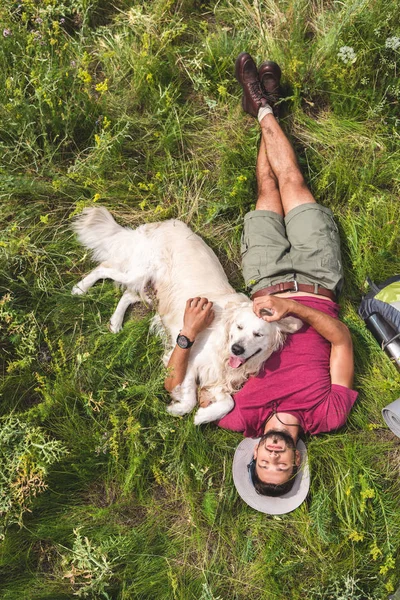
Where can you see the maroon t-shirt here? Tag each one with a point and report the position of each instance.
(296, 379)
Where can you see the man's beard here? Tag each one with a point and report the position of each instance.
(280, 435)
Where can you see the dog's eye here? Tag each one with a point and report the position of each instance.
(256, 334)
(240, 327)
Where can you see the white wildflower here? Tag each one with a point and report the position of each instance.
(347, 55)
(393, 43)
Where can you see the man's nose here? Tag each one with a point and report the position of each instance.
(274, 453)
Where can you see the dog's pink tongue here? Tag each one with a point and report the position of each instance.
(236, 361)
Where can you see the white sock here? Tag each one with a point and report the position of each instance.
(263, 111)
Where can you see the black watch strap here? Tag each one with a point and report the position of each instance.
(184, 342)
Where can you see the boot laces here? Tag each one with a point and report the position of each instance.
(273, 97)
(256, 90)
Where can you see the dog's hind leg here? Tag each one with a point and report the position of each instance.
(223, 403)
(185, 398)
(117, 318)
(104, 272)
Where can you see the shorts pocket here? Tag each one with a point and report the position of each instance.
(331, 256)
(251, 263)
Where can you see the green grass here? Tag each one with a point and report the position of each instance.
(134, 106)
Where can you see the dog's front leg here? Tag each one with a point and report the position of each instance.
(184, 398)
(221, 404)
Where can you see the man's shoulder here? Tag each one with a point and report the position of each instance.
(331, 412)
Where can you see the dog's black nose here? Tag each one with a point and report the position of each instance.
(237, 349)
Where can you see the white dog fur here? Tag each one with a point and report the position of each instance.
(179, 265)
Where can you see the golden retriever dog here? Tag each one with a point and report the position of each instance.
(178, 265)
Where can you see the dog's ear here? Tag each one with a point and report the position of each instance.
(231, 309)
(238, 302)
(290, 324)
(230, 306)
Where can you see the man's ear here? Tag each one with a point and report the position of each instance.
(289, 324)
(255, 452)
(297, 458)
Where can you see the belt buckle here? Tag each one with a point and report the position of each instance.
(296, 286)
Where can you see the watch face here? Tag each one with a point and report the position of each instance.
(183, 341)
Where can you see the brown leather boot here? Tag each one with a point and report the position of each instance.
(269, 74)
(247, 75)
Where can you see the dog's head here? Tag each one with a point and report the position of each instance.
(253, 338)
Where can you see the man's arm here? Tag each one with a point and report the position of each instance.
(333, 330)
(198, 316)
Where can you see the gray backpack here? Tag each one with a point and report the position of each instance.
(380, 309)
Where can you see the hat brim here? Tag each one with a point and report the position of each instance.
(270, 505)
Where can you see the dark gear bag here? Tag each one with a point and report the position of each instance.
(380, 309)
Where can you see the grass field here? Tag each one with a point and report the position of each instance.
(133, 105)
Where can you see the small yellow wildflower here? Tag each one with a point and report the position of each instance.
(372, 426)
(222, 91)
(355, 536)
(368, 493)
(375, 551)
(389, 564)
(294, 64)
(85, 76)
(102, 87)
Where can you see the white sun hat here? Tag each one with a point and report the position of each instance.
(270, 505)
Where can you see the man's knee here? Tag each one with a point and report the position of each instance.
(267, 186)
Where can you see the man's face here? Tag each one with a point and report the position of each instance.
(275, 457)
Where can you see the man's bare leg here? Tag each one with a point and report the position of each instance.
(283, 162)
(269, 197)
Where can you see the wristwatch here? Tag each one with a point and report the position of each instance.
(184, 342)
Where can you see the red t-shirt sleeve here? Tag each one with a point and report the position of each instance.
(332, 413)
(232, 420)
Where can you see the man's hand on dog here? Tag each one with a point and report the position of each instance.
(198, 316)
(272, 308)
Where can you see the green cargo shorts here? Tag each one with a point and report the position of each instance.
(304, 246)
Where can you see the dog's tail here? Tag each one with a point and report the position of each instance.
(95, 227)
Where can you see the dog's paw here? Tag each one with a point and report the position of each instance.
(202, 416)
(114, 327)
(177, 409)
(77, 291)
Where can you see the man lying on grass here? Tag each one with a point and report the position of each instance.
(292, 264)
